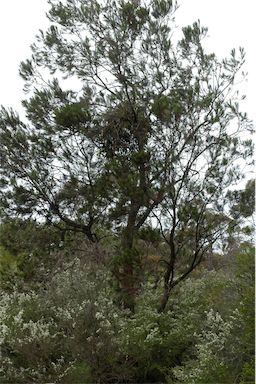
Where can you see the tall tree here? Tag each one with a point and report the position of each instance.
(145, 134)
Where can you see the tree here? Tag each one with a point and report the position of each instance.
(243, 201)
(147, 133)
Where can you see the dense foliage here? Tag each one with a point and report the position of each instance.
(151, 130)
(125, 250)
(69, 328)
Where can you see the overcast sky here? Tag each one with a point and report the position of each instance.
(231, 24)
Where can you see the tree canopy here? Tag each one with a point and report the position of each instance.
(151, 133)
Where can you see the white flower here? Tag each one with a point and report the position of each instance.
(99, 316)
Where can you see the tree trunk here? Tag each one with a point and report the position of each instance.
(167, 287)
(164, 300)
(169, 274)
(127, 263)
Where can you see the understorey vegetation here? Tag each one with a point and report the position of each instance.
(126, 251)
(61, 319)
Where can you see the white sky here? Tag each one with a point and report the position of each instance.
(231, 24)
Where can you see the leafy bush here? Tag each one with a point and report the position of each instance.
(63, 332)
(72, 331)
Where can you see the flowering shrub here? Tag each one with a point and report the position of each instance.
(71, 331)
(215, 353)
(53, 334)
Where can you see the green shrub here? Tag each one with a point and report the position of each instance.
(71, 330)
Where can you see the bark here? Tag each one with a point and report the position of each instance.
(172, 283)
(164, 300)
(169, 274)
(127, 277)
(168, 278)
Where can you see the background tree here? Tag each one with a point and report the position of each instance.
(147, 132)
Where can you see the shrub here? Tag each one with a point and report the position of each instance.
(65, 331)
(71, 330)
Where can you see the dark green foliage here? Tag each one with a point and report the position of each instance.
(20, 236)
(72, 116)
(113, 193)
(144, 134)
(69, 328)
(245, 272)
(150, 234)
(162, 108)
(243, 201)
(26, 249)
